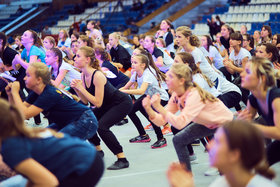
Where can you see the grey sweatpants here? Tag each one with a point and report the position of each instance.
(186, 136)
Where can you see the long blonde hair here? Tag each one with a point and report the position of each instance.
(263, 67)
(187, 58)
(184, 71)
(186, 31)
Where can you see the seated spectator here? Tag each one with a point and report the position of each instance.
(243, 30)
(257, 38)
(276, 40)
(46, 31)
(266, 34)
(137, 5)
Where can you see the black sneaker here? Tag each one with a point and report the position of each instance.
(140, 139)
(122, 122)
(119, 165)
(159, 144)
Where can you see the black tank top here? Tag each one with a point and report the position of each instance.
(112, 95)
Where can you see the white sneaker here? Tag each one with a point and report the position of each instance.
(211, 172)
(193, 159)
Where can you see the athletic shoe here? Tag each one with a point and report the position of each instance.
(122, 122)
(193, 157)
(149, 127)
(119, 165)
(140, 139)
(159, 144)
(211, 172)
(195, 143)
(166, 130)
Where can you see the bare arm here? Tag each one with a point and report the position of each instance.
(159, 61)
(99, 82)
(37, 174)
(27, 109)
(75, 84)
(139, 91)
(60, 77)
(127, 86)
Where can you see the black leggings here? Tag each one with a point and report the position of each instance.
(106, 119)
(230, 99)
(273, 152)
(137, 106)
(226, 73)
(89, 179)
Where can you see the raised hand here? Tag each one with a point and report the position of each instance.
(156, 100)
(244, 115)
(146, 102)
(15, 86)
(178, 176)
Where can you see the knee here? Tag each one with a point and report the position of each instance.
(101, 130)
(176, 140)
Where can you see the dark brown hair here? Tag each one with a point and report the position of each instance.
(268, 28)
(237, 36)
(4, 38)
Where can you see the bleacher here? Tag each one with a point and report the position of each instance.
(9, 13)
(111, 15)
(253, 15)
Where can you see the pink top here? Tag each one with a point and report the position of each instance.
(209, 114)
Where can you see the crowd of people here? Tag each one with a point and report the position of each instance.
(222, 87)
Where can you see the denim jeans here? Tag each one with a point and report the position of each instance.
(85, 127)
(15, 181)
(186, 136)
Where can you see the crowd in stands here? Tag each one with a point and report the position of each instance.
(222, 87)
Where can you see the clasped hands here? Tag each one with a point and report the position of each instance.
(12, 87)
(76, 84)
(154, 101)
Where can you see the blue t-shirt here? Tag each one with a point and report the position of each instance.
(115, 77)
(33, 51)
(62, 156)
(58, 107)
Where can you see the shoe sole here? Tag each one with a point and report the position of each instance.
(164, 145)
(142, 141)
(195, 144)
(169, 133)
(117, 168)
(194, 161)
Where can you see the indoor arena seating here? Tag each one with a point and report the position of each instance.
(113, 16)
(52, 20)
(253, 15)
(9, 13)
